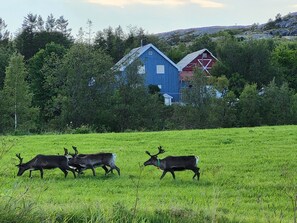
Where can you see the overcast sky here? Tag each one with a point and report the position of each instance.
(153, 16)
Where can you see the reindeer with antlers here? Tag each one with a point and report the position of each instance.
(41, 162)
(174, 163)
(91, 161)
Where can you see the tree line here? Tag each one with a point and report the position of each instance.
(53, 82)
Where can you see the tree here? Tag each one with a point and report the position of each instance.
(30, 22)
(88, 86)
(203, 42)
(18, 115)
(197, 97)
(50, 24)
(62, 26)
(135, 108)
(250, 59)
(198, 94)
(284, 57)
(45, 79)
(249, 106)
(277, 104)
(40, 24)
(4, 33)
(5, 53)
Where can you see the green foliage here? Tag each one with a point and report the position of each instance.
(5, 54)
(250, 59)
(284, 58)
(88, 85)
(46, 79)
(34, 36)
(203, 42)
(18, 114)
(250, 105)
(276, 104)
(247, 175)
(135, 108)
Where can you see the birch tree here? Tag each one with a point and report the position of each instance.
(18, 115)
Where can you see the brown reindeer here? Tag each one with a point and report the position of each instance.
(41, 162)
(174, 163)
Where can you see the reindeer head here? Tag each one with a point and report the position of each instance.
(75, 158)
(153, 158)
(67, 154)
(20, 165)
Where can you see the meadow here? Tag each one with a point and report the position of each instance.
(247, 175)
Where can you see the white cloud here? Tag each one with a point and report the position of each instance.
(208, 3)
(123, 3)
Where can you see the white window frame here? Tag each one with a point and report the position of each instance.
(141, 69)
(160, 69)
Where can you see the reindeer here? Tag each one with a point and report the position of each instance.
(174, 163)
(91, 161)
(41, 162)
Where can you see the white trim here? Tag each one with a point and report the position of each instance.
(136, 53)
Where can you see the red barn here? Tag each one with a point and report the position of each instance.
(203, 59)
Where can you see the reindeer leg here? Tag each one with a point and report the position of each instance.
(164, 172)
(64, 171)
(117, 169)
(172, 173)
(72, 170)
(30, 174)
(41, 173)
(198, 173)
(93, 169)
(106, 170)
(195, 170)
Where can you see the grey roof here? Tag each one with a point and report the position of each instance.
(136, 53)
(190, 57)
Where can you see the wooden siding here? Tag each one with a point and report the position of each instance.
(169, 80)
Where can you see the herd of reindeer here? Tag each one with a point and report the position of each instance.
(77, 163)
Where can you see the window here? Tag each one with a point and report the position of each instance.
(204, 55)
(141, 69)
(160, 69)
(150, 53)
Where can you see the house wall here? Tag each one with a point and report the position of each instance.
(169, 81)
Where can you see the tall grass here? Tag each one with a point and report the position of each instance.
(247, 175)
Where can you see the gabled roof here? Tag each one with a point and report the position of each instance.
(190, 57)
(136, 53)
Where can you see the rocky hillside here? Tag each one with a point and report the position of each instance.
(281, 26)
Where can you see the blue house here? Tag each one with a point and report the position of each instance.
(159, 70)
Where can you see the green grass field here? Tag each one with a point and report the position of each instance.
(247, 175)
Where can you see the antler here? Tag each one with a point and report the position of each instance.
(160, 151)
(65, 152)
(75, 150)
(20, 158)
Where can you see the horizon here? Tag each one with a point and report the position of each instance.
(153, 16)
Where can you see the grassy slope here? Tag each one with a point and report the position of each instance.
(247, 175)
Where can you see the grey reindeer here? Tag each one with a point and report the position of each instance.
(91, 161)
